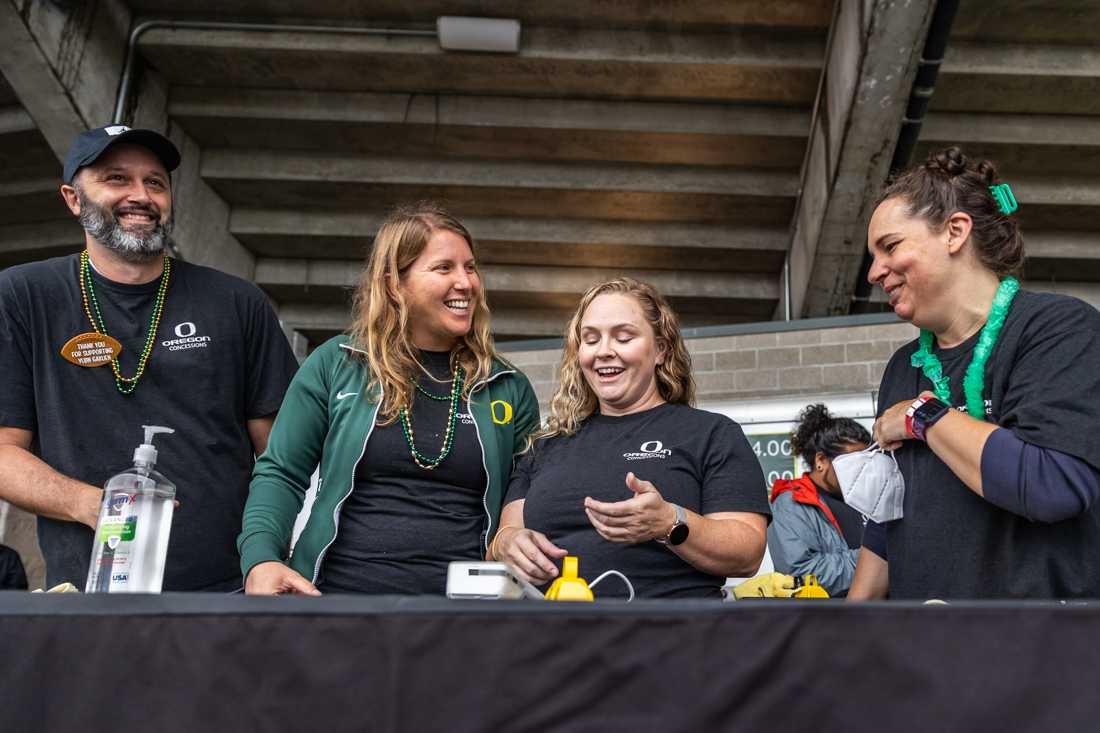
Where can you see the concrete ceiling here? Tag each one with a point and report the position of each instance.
(663, 140)
(37, 224)
(625, 137)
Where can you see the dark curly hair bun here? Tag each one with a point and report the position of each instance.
(819, 432)
(812, 420)
(950, 161)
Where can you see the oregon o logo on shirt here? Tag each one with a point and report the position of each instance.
(501, 412)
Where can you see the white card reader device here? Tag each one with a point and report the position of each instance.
(488, 580)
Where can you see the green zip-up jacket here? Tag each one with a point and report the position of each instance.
(326, 418)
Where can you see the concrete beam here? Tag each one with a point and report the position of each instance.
(553, 280)
(29, 186)
(965, 127)
(502, 188)
(465, 110)
(1019, 78)
(1027, 21)
(803, 14)
(1062, 245)
(291, 166)
(735, 65)
(308, 224)
(872, 61)
(15, 119)
(658, 245)
(25, 200)
(29, 69)
(480, 127)
(59, 234)
(1022, 59)
(735, 46)
(313, 316)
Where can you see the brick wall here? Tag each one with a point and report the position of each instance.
(777, 363)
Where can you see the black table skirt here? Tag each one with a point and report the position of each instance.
(189, 662)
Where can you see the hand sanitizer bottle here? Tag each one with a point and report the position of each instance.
(131, 536)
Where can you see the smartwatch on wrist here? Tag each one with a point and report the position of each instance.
(678, 532)
(925, 412)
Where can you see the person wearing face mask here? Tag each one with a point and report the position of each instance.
(992, 411)
(812, 530)
(413, 419)
(627, 475)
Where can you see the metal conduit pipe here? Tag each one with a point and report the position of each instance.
(125, 83)
(924, 85)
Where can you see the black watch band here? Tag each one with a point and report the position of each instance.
(927, 415)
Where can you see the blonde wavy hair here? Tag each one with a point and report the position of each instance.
(575, 401)
(380, 316)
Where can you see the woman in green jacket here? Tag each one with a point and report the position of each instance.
(413, 419)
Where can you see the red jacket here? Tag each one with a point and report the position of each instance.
(804, 491)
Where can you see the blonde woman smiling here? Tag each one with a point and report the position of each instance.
(413, 419)
(627, 475)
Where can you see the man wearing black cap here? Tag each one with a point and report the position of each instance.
(95, 345)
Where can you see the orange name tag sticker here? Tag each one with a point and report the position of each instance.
(91, 349)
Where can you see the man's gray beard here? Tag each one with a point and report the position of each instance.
(101, 224)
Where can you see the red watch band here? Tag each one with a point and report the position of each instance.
(910, 412)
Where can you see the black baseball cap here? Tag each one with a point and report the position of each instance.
(89, 145)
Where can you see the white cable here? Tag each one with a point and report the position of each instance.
(629, 587)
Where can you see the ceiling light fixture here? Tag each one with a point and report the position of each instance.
(493, 35)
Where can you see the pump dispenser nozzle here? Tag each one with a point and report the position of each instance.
(145, 454)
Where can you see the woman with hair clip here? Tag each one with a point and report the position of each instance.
(993, 410)
(811, 526)
(413, 419)
(627, 475)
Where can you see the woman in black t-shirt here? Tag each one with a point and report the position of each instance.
(627, 475)
(1000, 492)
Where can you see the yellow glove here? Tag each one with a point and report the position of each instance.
(772, 585)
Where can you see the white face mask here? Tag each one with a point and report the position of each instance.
(871, 483)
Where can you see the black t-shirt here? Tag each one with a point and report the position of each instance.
(850, 521)
(220, 359)
(1041, 382)
(401, 525)
(697, 459)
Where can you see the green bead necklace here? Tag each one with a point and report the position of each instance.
(974, 379)
(125, 385)
(431, 395)
(429, 464)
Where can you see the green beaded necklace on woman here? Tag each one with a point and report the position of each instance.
(429, 464)
(974, 379)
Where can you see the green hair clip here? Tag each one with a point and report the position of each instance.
(1005, 200)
